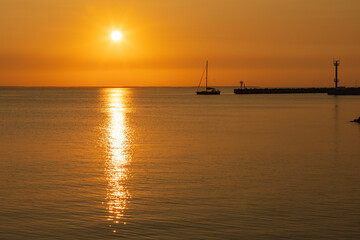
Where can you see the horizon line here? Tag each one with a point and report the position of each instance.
(236, 86)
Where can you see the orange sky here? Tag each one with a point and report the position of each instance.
(277, 43)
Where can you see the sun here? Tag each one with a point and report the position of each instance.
(116, 36)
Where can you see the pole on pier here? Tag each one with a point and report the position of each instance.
(336, 64)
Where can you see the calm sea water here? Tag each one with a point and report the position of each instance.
(163, 163)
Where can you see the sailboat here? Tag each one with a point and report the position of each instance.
(208, 90)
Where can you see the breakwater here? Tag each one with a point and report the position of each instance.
(280, 90)
(345, 91)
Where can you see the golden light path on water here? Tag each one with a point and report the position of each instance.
(118, 156)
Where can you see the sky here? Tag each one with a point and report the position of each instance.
(266, 43)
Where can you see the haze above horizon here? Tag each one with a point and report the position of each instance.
(277, 43)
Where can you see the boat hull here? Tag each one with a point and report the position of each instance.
(208, 93)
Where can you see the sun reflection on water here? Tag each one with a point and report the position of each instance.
(118, 155)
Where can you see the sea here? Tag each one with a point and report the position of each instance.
(164, 163)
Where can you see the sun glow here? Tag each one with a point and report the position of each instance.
(116, 35)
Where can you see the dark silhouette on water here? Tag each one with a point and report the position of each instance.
(342, 90)
(280, 90)
(330, 91)
(356, 120)
(208, 90)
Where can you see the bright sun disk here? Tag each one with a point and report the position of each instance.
(116, 36)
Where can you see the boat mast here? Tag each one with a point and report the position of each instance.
(206, 73)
